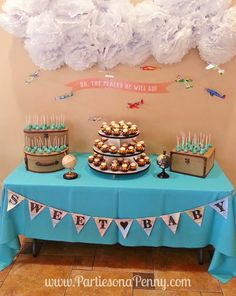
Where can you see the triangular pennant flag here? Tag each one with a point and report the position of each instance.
(80, 221)
(221, 206)
(102, 224)
(13, 200)
(196, 215)
(56, 216)
(147, 224)
(35, 208)
(171, 221)
(124, 226)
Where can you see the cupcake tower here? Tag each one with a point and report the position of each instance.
(196, 144)
(118, 151)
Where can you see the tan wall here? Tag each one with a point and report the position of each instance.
(160, 119)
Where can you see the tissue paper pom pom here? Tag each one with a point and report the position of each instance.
(74, 12)
(148, 18)
(111, 23)
(43, 31)
(15, 24)
(218, 44)
(45, 59)
(136, 51)
(109, 56)
(30, 7)
(82, 33)
(173, 43)
(80, 55)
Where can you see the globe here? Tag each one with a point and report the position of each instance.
(69, 161)
(163, 161)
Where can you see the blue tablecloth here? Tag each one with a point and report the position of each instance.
(144, 195)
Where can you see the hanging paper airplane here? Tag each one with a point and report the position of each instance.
(95, 118)
(213, 92)
(108, 74)
(186, 82)
(148, 68)
(215, 67)
(135, 105)
(32, 77)
(65, 96)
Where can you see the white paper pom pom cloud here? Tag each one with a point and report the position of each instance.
(81, 33)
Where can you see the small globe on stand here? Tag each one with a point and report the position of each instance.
(163, 161)
(69, 162)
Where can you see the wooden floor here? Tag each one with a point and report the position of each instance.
(153, 266)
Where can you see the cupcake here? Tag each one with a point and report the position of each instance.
(131, 149)
(147, 159)
(126, 161)
(125, 145)
(104, 139)
(116, 132)
(133, 166)
(114, 166)
(120, 160)
(108, 131)
(124, 167)
(104, 148)
(99, 145)
(90, 159)
(97, 162)
(113, 149)
(103, 166)
(139, 147)
(122, 150)
(96, 142)
(141, 162)
(125, 132)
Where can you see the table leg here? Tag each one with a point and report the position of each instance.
(201, 256)
(34, 248)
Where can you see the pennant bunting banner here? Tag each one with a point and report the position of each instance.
(56, 216)
(124, 225)
(221, 207)
(102, 224)
(171, 221)
(80, 221)
(13, 200)
(196, 215)
(35, 208)
(147, 224)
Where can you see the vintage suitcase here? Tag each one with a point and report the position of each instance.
(44, 163)
(192, 164)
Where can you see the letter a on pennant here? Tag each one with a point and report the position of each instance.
(80, 221)
(147, 224)
(56, 216)
(13, 200)
(102, 224)
(171, 221)
(35, 208)
(196, 215)
(124, 226)
(221, 207)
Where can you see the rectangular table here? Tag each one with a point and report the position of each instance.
(99, 195)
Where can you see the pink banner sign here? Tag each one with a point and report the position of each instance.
(150, 88)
